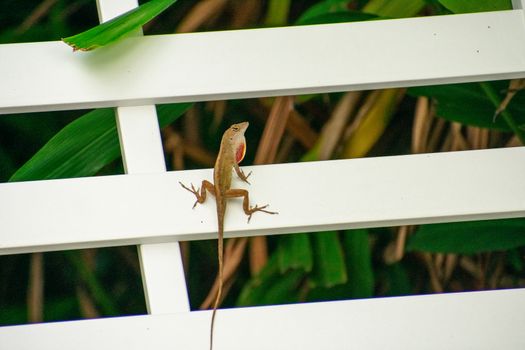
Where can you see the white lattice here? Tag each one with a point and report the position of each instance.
(133, 208)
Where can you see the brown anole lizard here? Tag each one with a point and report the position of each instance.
(232, 150)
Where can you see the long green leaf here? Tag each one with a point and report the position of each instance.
(359, 263)
(329, 268)
(394, 8)
(332, 12)
(469, 237)
(466, 6)
(294, 252)
(115, 29)
(84, 146)
(270, 287)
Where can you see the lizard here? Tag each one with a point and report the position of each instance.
(231, 153)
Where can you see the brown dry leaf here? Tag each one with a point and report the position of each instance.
(299, 128)
(274, 130)
(34, 17)
(246, 13)
(334, 128)
(421, 125)
(88, 308)
(478, 138)
(434, 280)
(451, 261)
(233, 254)
(35, 292)
(457, 141)
(201, 13)
(515, 85)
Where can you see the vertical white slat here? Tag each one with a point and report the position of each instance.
(518, 4)
(141, 146)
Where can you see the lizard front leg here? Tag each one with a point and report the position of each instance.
(201, 195)
(235, 193)
(241, 174)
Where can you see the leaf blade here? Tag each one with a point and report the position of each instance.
(118, 27)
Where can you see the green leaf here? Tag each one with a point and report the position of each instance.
(397, 281)
(469, 237)
(84, 146)
(118, 27)
(294, 252)
(359, 263)
(270, 287)
(332, 12)
(394, 8)
(465, 6)
(468, 104)
(329, 267)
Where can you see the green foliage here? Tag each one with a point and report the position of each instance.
(468, 104)
(462, 6)
(118, 27)
(394, 9)
(271, 287)
(295, 252)
(469, 237)
(84, 146)
(358, 263)
(332, 12)
(329, 267)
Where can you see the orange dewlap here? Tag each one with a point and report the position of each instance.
(240, 152)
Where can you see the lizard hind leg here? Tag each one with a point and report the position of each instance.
(200, 194)
(234, 193)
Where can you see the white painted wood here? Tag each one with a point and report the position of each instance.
(315, 196)
(264, 62)
(140, 140)
(109, 9)
(161, 264)
(476, 320)
(518, 4)
(163, 278)
(141, 147)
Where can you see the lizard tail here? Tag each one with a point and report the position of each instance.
(220, 251)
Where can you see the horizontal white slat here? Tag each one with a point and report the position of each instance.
(369, 192)
(477, 320)
(263, 62)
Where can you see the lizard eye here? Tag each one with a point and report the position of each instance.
(235, 128)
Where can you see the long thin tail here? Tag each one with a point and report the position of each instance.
(220, 256)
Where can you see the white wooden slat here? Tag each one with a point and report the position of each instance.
(161, 264)
(518, 4)
(109, 9)
(141, 147)
(140, 140)
(477, 320)
(315, 196)
(263, 62)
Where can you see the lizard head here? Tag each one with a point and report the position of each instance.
(235, 135)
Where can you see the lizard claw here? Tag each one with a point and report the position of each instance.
(258, 208)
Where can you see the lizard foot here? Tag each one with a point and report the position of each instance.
(257, 208)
